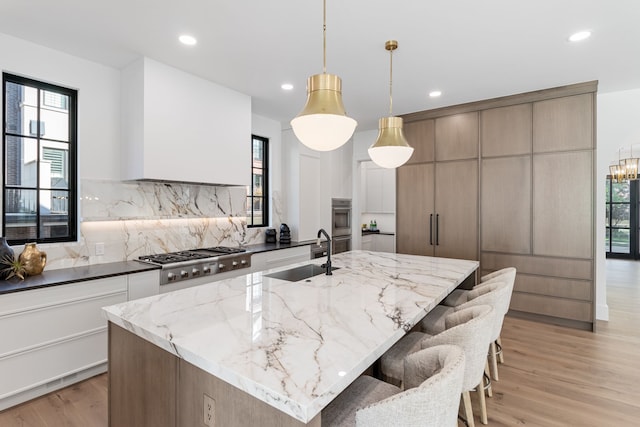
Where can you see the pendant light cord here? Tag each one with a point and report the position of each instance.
(391, 82)
(324, 37)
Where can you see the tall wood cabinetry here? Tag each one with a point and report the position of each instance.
(534, 206)
(437, 191)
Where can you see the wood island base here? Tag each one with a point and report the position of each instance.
(151, 387)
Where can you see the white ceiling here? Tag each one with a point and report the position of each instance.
(469, 49)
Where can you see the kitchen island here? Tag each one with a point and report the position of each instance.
(257, 350)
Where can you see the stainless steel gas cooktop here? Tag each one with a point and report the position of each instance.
(194, 263)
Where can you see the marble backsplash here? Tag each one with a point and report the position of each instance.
(130, 219)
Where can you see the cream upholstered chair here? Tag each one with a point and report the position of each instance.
(434, 382)
(470, 329)
(495, 293)
(459, 297)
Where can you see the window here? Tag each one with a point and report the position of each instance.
(622, 218)
(39, 162)
(258, 191)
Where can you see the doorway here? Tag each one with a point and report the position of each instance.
(622, 219)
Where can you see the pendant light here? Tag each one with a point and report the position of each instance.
(323, 124)
(391, 149)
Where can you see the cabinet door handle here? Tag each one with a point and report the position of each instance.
(437, 229)
(430, 229)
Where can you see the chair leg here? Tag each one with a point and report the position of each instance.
(488, 379)
(501, 353)
(468, 411)
(494, 361)
(483, 404)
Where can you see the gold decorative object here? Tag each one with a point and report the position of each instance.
(33, 259)
(323, 124)
(391, 148)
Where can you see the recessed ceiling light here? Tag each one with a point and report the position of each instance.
(435, 94)
(286, 86)
(188, 40)
(580, 35)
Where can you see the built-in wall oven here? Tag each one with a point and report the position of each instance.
(341, 225)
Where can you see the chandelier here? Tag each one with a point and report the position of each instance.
(626, 169)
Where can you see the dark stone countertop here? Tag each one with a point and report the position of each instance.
(65, 276)
(267, 247)
(367, 232)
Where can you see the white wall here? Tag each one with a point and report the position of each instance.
(618, 127)
(98, 99)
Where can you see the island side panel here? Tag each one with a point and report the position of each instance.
(142, 382)
(233, 407)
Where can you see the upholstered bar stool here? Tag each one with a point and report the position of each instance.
(460, 296)
(469, 329)
(434, 383)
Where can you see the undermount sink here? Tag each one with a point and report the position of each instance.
(299, 273)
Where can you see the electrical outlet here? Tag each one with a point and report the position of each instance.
(99, 249)
(209, 411)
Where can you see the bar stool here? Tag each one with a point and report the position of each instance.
(470, 329)
(431, 398)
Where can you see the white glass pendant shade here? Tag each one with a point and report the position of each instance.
(323, 124)
(391, 148)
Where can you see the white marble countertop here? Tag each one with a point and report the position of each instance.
(296, 345)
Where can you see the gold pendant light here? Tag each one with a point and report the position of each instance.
(323, 124)
(391, 149)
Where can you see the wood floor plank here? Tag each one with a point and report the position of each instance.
(552, 376)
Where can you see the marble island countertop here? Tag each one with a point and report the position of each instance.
(296, 345)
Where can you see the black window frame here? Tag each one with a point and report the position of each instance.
(251, 197)
(72, 207)
(634, 220)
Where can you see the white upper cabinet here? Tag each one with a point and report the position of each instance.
(179, 127)
(380, 185)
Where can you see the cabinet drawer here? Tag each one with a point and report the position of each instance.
(51, 362)
(47, 324)
(543, 266)
(38, 298)
(551, 286)
(552, 306)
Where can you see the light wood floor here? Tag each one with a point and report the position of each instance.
(552, 376)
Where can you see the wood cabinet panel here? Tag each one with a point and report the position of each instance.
(421, 136)
(456, 206)
(552, 286)
(506, 205)
(552, 306)
(139, 370)
(233, 407)
(457, 137)
(562, 124)
(506, 131)
(414, 205)
(544, 266)
(563, 204)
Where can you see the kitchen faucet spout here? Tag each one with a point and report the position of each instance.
(327, 265)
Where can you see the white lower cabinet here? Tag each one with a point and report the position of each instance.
(53, 337)
(384, 243)
(279, 258)
(143, 284)
(378, 243)
(367, 242)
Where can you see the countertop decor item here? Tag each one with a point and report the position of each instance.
(11, 267)
(6, 254)
(33, 259)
